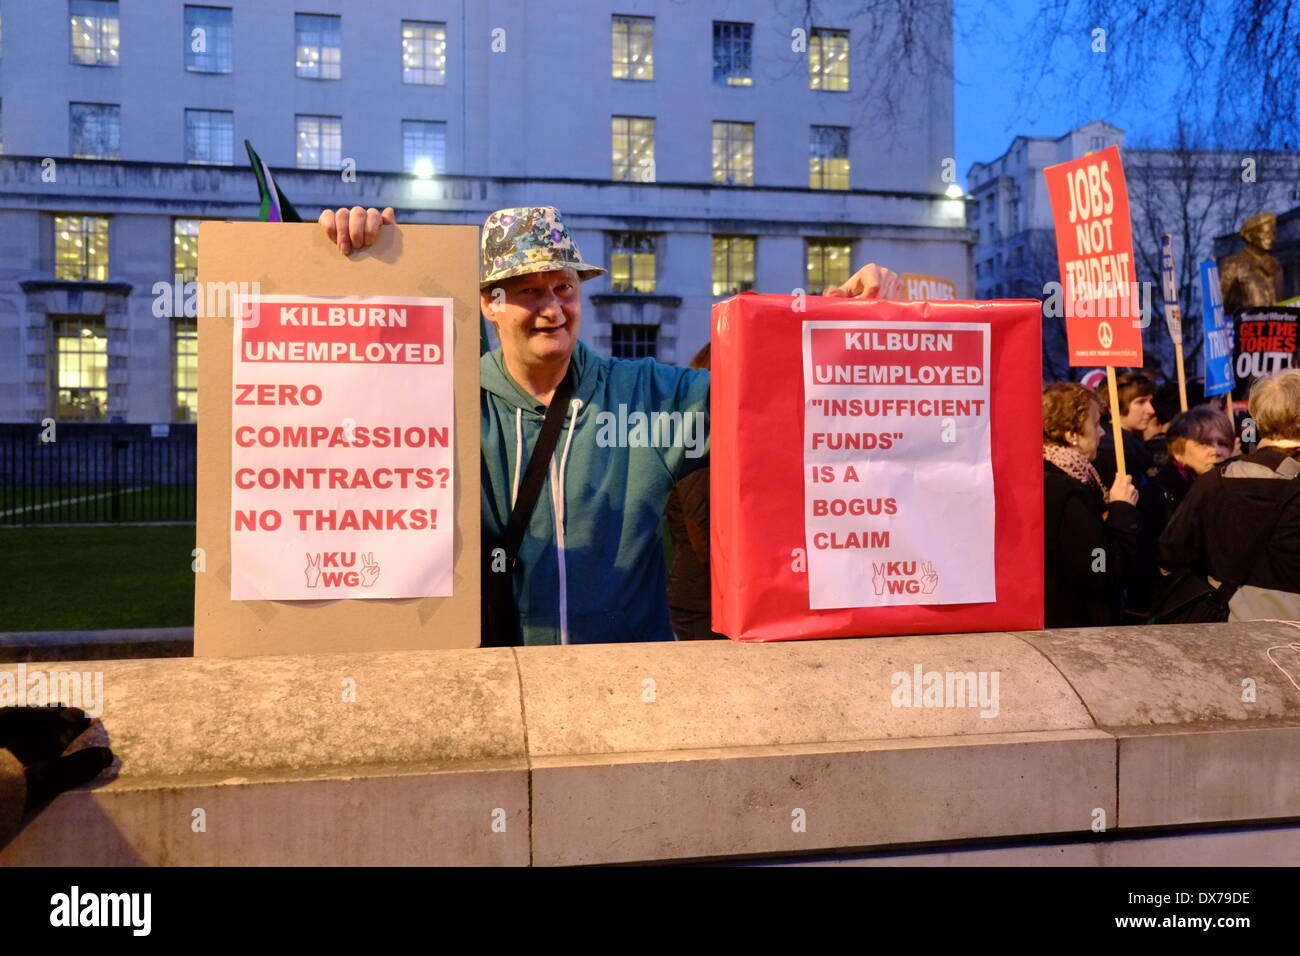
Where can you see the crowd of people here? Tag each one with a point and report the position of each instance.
(1197, 527)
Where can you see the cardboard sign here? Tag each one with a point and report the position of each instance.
(1218, 333)
(1094, 243)
(341, 449)
(880, 387)
(896, 444)
(1169, 288)
(928, 288)
(1266, 341)
(436, 266)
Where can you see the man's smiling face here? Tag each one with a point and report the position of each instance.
(536, 315)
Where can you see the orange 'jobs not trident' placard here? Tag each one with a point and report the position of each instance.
(1094, 242)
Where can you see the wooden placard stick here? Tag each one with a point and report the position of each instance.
(1120, 468)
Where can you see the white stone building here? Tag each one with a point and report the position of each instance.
(1197, 196)
(696, 149)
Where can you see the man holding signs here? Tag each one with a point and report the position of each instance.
(587, 563)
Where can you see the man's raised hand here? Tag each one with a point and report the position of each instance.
(870, 282)
(355, 228)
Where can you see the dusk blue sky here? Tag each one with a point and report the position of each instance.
(993, 104)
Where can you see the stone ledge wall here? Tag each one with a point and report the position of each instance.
(665, 752)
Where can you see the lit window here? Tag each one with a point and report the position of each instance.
(80, 355)
(209, 39)
(733, 45)
(319, 41)
(733, 153)
(185, 369)
(185, 249)
(629, 341)
(96, 32)
(828, 157)
(96, 130)
(320, 142)
(733, 264)
(828, 263)
(632, 262)
(634, 48)
(81, 248)
(633, 148)
(424, 52)
(424, 147)
(210, 137)
(828, 60)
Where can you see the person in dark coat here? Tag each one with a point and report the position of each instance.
(1136, 392)
(1090, 532)
(1167, 404)
(1240, 523)
(1198, 439)
(690, 594)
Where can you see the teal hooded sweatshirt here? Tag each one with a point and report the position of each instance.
(591, 566)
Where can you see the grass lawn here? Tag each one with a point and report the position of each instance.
(88, 578)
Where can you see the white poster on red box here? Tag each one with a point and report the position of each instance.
(898, 477)
(342, 436)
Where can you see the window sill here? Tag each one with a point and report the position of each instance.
(75, 285)
(636, 298)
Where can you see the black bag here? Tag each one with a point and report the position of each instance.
(1185, 597)
(499, 615)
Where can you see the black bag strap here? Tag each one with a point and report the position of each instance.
(535, 474)
(1229, 587)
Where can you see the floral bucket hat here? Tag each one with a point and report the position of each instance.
(528, 239)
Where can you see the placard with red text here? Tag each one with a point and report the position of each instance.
(1094, 243)
(875, 467)
(896, 444)
(342, 449)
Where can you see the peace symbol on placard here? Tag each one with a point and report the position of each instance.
(1105, 335)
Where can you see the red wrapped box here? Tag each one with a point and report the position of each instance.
(876, 467)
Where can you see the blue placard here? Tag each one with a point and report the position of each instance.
(1218, 333)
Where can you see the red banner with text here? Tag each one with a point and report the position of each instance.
(1094, 243)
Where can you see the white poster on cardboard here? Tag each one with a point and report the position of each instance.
(898, 475)
(342, 436)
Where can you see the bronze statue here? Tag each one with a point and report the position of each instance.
(1252, 277)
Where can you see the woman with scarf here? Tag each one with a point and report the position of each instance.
(1089, 531)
